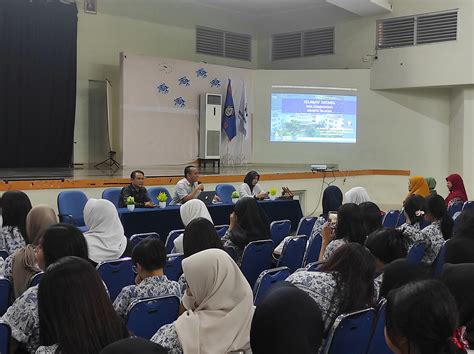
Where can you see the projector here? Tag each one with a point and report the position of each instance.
(324, 167)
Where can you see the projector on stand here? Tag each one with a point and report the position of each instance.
(324, 168)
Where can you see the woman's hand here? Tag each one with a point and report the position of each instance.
(232, 221)
(327, 233)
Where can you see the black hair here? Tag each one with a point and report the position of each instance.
(387, 245)
(199, 235)
(353, 267)
(349, 225)
(401, 272)
(465, 225)
(61, 240)
(249, 178)
(412, 205)
(15, 207)
(75, 311)
(187, 170)
(370, 216)
(150, 254)
(425, 314)
(134, 173)
(436, 206)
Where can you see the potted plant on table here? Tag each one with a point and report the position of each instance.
(235, 197)
(162, 198)
(272, 193)
(131, 203)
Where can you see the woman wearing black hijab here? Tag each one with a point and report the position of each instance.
(286, 321)
(251, 188)
(332, 201)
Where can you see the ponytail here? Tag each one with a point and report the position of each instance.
(437, 208)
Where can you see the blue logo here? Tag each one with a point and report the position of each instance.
(180, 102)
(184, 81)
(163, 88)
(215, 83)
(201, 73)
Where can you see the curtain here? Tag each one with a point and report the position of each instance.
(37, 82)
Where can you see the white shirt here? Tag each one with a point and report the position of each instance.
(244, 190)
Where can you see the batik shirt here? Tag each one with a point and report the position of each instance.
(11, 239)
(168, 338)
(434, 241)
(332, 247)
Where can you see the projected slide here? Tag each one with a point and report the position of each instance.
(313, 118)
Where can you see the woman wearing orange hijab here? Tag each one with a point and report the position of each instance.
(417, 186)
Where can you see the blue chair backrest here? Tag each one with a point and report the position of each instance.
(266, 279)
(401, 219)
(173, 268)
(221, 230)
(438, 263)
(224, 191)
(280, 229)
(305, 226)
(454, 208)
(416, 252)
(116, 275)
(71, 207)
(5, 333)
(293, 252)
(146, 316)
(377, 343)
(312, 250)
(169, 244)
(154, 191)
(256, 258)
(391, 218)
(4, 254)
(112, 195)
(5, 289)
(350, 333)
(314, 267)
(137, 238)
(35, 279)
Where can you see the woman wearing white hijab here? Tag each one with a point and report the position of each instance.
(105, 239)
(189, 211)
(219, 305)
(356, 195)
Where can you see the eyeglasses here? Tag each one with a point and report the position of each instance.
(134, 269)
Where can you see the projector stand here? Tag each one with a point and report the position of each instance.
(110, 161)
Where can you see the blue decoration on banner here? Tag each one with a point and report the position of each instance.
(180, 102)
(163, 88)
(215, 83)
(184, 81)
(201, 72)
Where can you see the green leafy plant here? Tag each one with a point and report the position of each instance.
(162, 197)
(235, 194)
(272, 191)
(130, 201)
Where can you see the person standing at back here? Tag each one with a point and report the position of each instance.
(136, 190)
(188, 187)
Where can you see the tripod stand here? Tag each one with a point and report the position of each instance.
(110, 161)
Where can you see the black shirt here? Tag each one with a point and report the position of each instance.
(140, 195)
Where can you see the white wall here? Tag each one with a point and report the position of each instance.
(406, 129)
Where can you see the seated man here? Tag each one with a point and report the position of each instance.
(149, 258)
(136, 190)
(188, 187)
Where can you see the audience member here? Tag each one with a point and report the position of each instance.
(431, 182)
(371, 217)
(149, 258)
(286, 321)
(251, 188)
(417, 186)
(356, 195)
(421, 318)
(133, 346)
(332, 201)
(460, 249)
(348, 229)
(105, 238)
(58, 241)
(414, 210)
(219, 305)
(457, 192)
(345, 283)
(187, 188)
(15, 208)
(136, 190)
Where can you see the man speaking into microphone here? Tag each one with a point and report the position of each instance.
(188, 187)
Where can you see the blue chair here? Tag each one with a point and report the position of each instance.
(256, 258)
(377, 343)
(35, 279)
(391, 218)
(71, 207)
(5, 333)
(266, 279)
(154, 191)
(293, 252)
(116, 275)
(5, 289)
(4, 254)
(416, 252)
(350, 333)
(468, 205)
(173, 235)
(454, 208)
(146, 316)
(173, 268)
(224, 191)
(312, 250)
(137, 238)
(112, 195)
(401, 219)
(438, 263)
(221, 230)
(314, 267)
(279, 230)
(305, 226)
